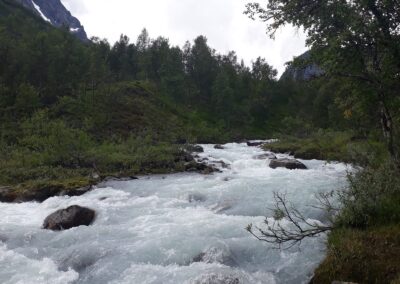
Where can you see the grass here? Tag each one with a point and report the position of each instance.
(330, 146)
(362, 256)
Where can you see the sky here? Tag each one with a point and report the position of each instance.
(221, 21)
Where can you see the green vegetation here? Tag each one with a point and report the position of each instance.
(73, 113)
(365, 243)
(362, 256)
(70, 109)
(331, 146)
(357, 44)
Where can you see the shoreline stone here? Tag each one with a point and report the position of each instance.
(291, 164)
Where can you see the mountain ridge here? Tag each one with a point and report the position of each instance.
(55, 13)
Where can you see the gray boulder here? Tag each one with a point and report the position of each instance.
(254, 144)
(216, 279)
(290, 164)
(68, 218)
(220, 147)
(194, 148)
(216, 255)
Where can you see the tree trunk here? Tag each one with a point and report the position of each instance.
(388, 130)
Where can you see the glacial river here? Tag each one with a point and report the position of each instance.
(171, 229)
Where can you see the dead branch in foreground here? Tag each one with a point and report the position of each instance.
(300, 226)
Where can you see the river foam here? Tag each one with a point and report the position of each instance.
(179, 228)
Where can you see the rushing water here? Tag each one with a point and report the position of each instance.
(150, 230)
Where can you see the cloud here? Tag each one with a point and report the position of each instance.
(75, 6)
(221, 21)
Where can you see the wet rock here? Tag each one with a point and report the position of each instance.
(95, 176)
(254, 144)
(199, 167)
(68, 218)
(223, 164)
(216, 279)
(194, 148)
(181, 141)
(184, 157)
(196, 197)
(290, 164)
(6, 194)
(270, 156)
(75, 192)
(41, 193)
(216, 255)
(220, 147)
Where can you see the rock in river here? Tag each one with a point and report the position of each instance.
(68, 218)
(255, 143)
(290, 164)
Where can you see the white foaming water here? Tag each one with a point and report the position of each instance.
(180, 228)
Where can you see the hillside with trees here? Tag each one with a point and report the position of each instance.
(71, 108)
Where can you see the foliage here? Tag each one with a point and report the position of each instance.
(362, 256)
(372, 199)
(357, 41)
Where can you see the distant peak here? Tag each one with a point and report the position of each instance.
(55, 13)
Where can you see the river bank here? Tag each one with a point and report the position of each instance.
(83, 180)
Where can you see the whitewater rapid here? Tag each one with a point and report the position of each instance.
(152, 229)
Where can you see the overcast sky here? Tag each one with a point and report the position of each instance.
(221, 21)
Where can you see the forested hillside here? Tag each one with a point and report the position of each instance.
(69, 107)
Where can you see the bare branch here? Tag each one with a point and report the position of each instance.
(300, 227)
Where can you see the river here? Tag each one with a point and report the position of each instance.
(178, 228)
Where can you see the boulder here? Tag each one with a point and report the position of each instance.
(194, 148)
(7, 194)
(223, 164)
(68, 218)
(181, 141)
(216, 255)
(254, 144)
(290, 164)
(220, 147)
(216, 279)
(270, 156)
(199, 167)
(44, 192)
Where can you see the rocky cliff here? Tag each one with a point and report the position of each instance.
(304, 71)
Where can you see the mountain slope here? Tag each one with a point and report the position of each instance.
(54, 12)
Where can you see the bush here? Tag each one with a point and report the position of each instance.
(373, 197)
(52, 142)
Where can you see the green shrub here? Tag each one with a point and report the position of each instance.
(373, 197)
